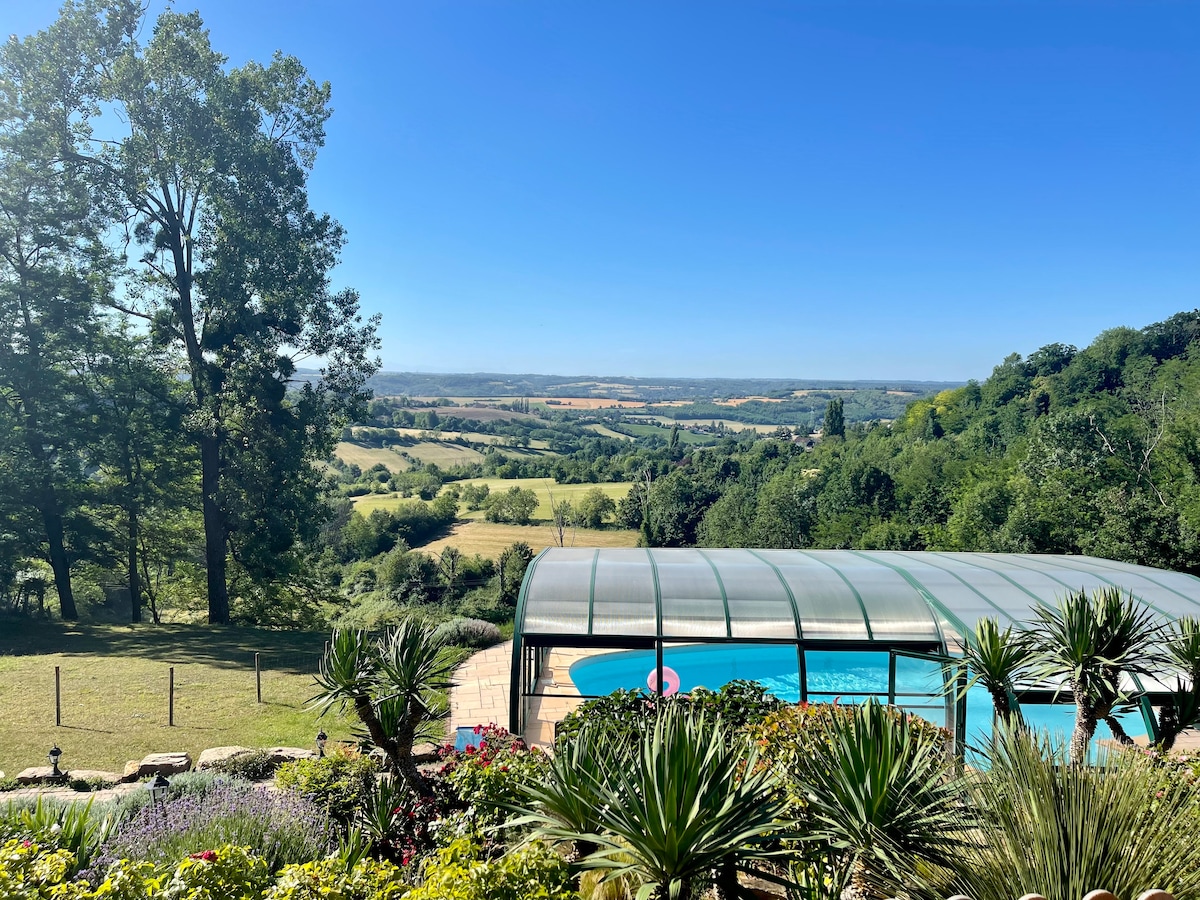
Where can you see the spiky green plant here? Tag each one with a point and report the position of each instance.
(881, 800)
(1088, 644)
(690, 807)
(1042, 826)
(1181, 710)
(997, 659)
(394, 685)
(564, 804)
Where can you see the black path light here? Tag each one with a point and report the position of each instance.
(159, 787)
(55, 773)
(322, 737)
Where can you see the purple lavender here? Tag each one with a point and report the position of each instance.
(282, 827)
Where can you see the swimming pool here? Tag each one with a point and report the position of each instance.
(849, 676)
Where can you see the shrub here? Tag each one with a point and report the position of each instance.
(458, 873)
(257, 765)
(339, 783)
(328, 878)
(78, 828)
(282, 827)
(628, 714)
(474, 633)
(1061, 830)
(29, 871)
(185, 784)
(224, 873)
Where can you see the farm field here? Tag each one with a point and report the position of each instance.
(475, 437)
(543, 487)
(489, 538)
(731, 424)
(685, 437)
(365, 457)
(115, 697)
(607, 432)
(478, 413)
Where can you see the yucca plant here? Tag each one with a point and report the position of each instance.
(689, 808)
(882, 801)
(564, 804)
(1089, 644)
(1181, 710)
(1040, 825)
(996, 659)
(394, 685)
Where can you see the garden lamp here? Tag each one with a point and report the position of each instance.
(322, 737)
(159, 788)
(53, 756)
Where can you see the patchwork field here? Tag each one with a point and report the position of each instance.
(607, 432)
(489, 538)
(685, 437)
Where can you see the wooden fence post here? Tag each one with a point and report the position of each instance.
(57, 696)
(171, 699)
(257, 677)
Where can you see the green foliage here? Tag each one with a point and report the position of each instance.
(516, 506)
(30, 872)
(1060, 830)
(330, 879)
(997, 659)
(529, 872)
(79, 828)
(463, 632)
(339, 782)
(879, 797)
(257, 765)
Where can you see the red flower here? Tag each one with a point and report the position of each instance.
(207, 856)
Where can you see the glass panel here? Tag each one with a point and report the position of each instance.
(828, 607)
(624, 596)
(686, 668)
(895, 609)
(851, 675)
(1128, 578)
(759, 606)
(556, 601)
(691, 596)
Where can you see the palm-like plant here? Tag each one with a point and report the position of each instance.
(689, 806)
(394, 684)
(1182, 709)
(1040, 826)
(881, 799)
(997, 659)
(1088, 644)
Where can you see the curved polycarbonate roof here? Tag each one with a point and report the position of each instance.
(875, 596)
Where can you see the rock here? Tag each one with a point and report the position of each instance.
(38, 775)
(215, 756)
(164, 764)
(279, 755)
(131, 771)
(425, 753)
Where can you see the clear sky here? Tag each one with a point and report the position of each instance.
(823, 190)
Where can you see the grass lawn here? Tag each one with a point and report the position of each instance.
(543, 487)
(489, 538)
(685, 437)
(114, 691)
(608, 432)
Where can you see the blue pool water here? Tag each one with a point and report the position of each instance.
(850, 676)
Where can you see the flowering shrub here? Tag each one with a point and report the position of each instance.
(328, 879)
(227, 873)
(282, 828)
(482, 781)
(531, 871)
(340, 782)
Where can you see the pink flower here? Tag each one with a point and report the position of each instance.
(206, 855)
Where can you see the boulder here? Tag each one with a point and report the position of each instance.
(215, 756)
(164, 764)
(94, 775)
(131, 771)
(279, 755)
(38, 775)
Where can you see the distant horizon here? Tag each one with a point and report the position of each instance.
(613, 375)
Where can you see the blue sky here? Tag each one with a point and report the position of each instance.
(821, 190)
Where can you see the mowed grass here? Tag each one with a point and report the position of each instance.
(685, 437)
(608, 432)
(115, 691)
(365, 457)
(489, 538)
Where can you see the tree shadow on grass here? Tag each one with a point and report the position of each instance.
(225, 646)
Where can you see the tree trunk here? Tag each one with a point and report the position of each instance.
(1085, 727)
(1118, 731)
(52, 519)
(134, 578)
(215, 545)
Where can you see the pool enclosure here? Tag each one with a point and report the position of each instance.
(814, 625)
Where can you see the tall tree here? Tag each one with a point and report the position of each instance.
(835, 419)
(211, 165)
(49, 291)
